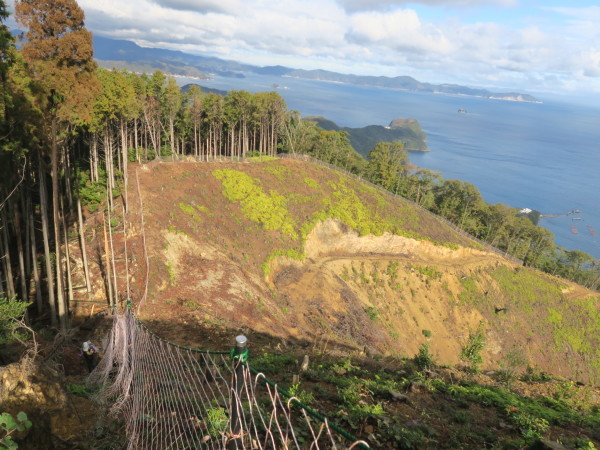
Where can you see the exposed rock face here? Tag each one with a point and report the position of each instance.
(27, 387)
(59, 419)
(344, 283)
(332, 237)
(401, 122)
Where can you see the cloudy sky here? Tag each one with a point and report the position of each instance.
(529, 45)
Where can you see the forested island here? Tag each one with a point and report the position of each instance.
(408, 132)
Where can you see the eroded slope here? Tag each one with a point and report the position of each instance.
(296, 250)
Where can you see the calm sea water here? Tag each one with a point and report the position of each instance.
(539, 156)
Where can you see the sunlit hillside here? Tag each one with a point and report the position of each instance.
(301, 252)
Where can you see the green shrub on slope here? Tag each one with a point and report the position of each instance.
(270, 210)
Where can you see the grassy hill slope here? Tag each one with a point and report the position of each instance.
(299, 251)
(418, 336)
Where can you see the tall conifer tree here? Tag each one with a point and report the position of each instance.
(5, 58)
(59, 53)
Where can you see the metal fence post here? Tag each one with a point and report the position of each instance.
(240, 354)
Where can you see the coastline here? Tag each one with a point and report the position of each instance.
(492, 95)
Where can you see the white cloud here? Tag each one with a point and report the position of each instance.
(586, 14)
(398, 31)
(376, 37)
(368, 5)
(223, 6)
(581, 40)
(591, 63)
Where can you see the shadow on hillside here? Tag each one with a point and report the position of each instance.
(214, 337)
(206, 336)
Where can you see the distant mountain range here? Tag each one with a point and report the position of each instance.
(121, 54)
(407, 83)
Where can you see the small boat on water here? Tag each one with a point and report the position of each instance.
(574, 229)
(592, 231)
(577, 218)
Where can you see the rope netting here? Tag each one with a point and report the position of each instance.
(174, 397)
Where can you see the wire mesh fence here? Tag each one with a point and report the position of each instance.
(174, 397)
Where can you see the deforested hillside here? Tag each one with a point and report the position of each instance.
(297, 251)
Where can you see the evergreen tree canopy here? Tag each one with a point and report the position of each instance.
(60, 54)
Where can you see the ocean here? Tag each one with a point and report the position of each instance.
(527, 155)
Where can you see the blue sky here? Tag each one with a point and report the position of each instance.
(550, 46)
